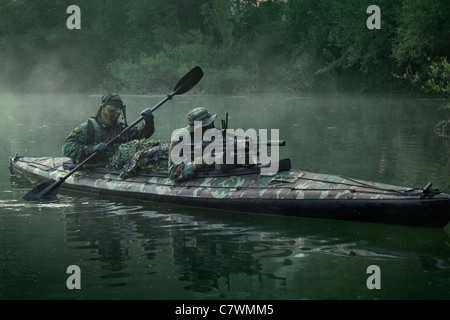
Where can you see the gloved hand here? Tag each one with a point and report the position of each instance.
(101, 147)
(148, 115)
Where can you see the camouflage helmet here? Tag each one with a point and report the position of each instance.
(199, 114)
(112, 99)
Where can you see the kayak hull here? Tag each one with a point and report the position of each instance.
(289, 193)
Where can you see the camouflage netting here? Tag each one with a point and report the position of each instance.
(144, 155)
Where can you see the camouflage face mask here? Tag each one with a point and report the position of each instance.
(112, 113)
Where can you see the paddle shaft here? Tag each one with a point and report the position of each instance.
(184, 85)
(57, 183)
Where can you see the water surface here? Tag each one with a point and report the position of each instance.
(129, 249)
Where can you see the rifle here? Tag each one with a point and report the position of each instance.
(236, 149)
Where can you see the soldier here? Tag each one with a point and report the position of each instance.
(184, 171)
(92, 135)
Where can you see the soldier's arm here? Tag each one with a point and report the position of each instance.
(75, 145)
(147, 129)
(181, 171)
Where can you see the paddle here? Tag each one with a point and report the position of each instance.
(50, 188)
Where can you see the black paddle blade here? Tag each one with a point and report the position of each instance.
(47, 189)
(188, 81)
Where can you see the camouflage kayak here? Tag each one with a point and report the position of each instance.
(287, 193)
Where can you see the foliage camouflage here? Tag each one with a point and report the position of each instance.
(143, 154)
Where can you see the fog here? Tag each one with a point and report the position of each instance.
(244, 47)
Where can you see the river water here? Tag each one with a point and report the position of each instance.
(128, 249)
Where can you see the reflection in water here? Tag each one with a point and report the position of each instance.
(160, 251)
(15, 205)
(230, 255)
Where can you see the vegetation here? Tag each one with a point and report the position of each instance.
(143, 46)
(436, 77)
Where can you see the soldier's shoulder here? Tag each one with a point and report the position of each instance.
(80, 128)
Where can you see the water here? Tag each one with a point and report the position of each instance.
(129, 249)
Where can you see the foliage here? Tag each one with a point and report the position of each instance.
(434, 78)
(439, 77)
(143, 154)
(143, 46)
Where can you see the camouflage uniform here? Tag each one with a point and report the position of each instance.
(184, 171)
(80, 142)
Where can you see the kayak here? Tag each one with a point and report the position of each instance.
(288, 192)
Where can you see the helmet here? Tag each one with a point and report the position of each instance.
(199, 114)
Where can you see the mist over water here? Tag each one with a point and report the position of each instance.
(129, 249)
